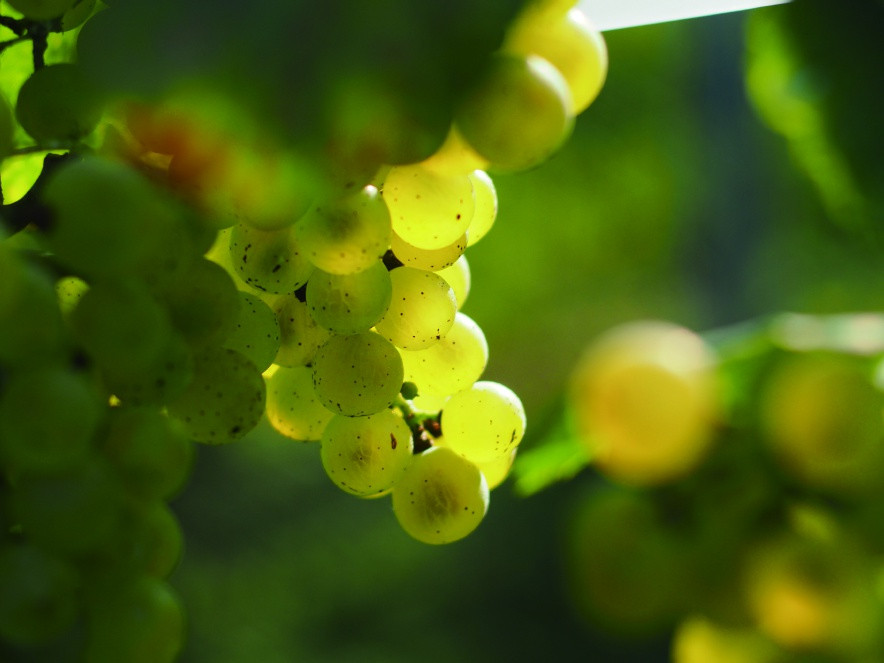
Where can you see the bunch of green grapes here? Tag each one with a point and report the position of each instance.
(173, 276)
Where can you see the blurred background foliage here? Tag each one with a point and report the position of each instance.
(675, 198)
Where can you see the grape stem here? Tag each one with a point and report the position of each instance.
(424, 425)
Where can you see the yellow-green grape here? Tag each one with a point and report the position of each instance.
(427, 209)
(699, 640)
(484, 422)
(366, 456)
(293, 407)
(358, 374)
(158, 383)
(441, 497)
(77, 14)
(256, 331)
(822, 416)
(271, 261)
(70, 289)
(58, 103)
(645, 399)
(150, 452)
(486, 206)
(225, 399)
(570, 43)
(349, 303)
(121, 326)
(48, 417)
(421, 310)
(300, 336)
(6, 128)
(140, 620)
(454, 157)
(107, 219)
(27, 296)
(451, 365)
(496, 471)
(42, 10)
(38, 595)
(346, 235)
(459, 278)
(204, 304)
(429, 259)
(519, 112)
(72, 512)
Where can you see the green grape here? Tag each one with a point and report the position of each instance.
(58, 103)
(451, 365)
(431, 260)
(496, 471)
(349, 303)
(427, 209)
(454, 157)
(256, 333)
(48, 417)
(299, 334)
(484, 422)
(70, 289)
(357, 374)
(121, 326)
(225, 399)
(421, 311)
(6, 128)
(486, 206)
(42, 10)
(459, 278)
(203, 304)
(271, 261)
(77, 14)
(293, 407)
(107, 219)
(346, 235)
(441, 497)
(73, 512)
(571, 44)
(150, 452)
(28, 298)
(157, 383)
(137, 620)
(38, 595)
(519, 112)
(366, 456)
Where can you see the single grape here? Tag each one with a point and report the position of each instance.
(48, 417)
(570, 43)
(150, 452)
(366, 456)
(346, 235)
(349, 303)
(58, 103)
(293, 407)
(300, 335)
(451, 365)
(518, 114)
(486, 206)
(225, 399)
(256, 332)
(38, 595)
(421, 310)
(484, 422)
(441, 497)
(431, 260)
(427, 209)
(357, 374)
(459, 278)
(271, 261)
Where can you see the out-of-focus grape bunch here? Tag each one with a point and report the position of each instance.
(210, 217)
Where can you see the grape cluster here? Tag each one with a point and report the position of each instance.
(173, 276)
